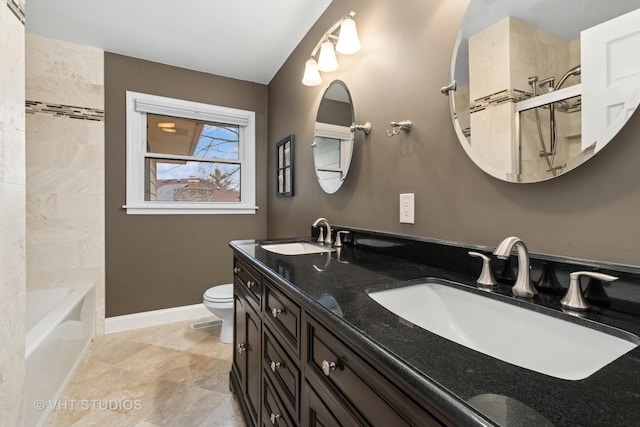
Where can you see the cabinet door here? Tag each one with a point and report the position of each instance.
(248, 355)
(254, 359)
(240, 339)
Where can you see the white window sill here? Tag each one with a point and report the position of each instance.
(167, 209)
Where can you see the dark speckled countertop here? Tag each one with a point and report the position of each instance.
(469, 387)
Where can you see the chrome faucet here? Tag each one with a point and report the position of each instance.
(321, 239)
(523, 286)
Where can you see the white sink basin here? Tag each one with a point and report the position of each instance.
(297, 248)
(514, 334)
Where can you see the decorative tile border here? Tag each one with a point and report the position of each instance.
(17, 7)
(498, 98)
(82, 113)
(515, 95)
(571, 105)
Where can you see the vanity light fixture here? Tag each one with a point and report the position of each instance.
(347, 43)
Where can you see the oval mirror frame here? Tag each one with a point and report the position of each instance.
(504, 109)
(333, 139)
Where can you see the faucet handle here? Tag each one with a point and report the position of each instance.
(321, 235)
(340, 233)
(486, 279)
(574, 300)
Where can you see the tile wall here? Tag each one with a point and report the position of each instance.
(65, 166)
(522, 50)
(12, 213)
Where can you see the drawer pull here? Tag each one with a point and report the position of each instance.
(327, 367)
(237, 270)
(274, 418)
(276, 311)
(242, 348)
(275, 365)
(250, 284)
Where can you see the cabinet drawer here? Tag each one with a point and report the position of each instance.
(320, 409)
(282, 371)
(283, 315)
(273, 412)
(371, 395)
(249, 278)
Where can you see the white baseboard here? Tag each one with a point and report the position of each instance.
(145, 319)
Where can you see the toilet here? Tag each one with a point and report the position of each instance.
(219, 301)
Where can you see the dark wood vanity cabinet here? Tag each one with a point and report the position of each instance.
(247, 363)
(290, 369)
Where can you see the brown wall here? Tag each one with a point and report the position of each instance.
(591, 212)
(161, 261)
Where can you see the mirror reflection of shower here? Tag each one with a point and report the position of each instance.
(569, 105)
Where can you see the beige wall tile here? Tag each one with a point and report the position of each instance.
(12, 219)
(12, 369)
(65, 169)
(489, 60)
(12, 74)
(61, 61)
(12, 154)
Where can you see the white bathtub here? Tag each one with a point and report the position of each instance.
(60, 325)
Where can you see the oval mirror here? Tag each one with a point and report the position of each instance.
(543, 85)
(333, 139)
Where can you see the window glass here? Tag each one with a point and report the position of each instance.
(186, 157)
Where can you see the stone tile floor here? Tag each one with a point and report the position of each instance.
(167, 375)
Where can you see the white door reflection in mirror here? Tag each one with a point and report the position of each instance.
(611, 77)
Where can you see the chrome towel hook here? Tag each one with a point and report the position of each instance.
(396, 127)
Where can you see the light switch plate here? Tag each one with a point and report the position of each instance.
(407, 208)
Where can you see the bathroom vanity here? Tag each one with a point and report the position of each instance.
(312, 347)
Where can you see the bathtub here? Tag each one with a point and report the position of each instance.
(60, 325)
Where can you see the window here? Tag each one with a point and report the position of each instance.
(188, 158)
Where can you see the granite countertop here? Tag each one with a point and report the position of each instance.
(469, 387)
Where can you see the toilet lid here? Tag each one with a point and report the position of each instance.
(220, 293)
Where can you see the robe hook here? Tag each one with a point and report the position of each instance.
(396, 127)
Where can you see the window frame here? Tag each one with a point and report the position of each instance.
(137, 107)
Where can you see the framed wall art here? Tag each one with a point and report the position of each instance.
(284, 167)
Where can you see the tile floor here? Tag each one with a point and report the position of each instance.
(167, 375)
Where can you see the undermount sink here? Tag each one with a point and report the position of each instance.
(511, 333)
(296, 248)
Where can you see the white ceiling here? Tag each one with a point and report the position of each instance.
(243, 39)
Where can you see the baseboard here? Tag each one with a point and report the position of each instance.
(145, 319)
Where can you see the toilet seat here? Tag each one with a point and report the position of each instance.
(219, 294)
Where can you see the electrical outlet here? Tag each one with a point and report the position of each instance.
(407, 208)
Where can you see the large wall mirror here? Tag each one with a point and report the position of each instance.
(333, 139)
(543, 85)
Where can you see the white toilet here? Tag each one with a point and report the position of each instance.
(219, 301)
